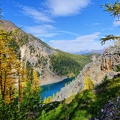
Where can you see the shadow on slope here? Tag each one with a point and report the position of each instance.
(86, 105)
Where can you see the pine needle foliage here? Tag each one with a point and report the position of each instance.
(88, 84)
(114, 10)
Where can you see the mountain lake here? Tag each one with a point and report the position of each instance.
(50, 89)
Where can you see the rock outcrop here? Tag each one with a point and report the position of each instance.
(103, 67)
(110, 111)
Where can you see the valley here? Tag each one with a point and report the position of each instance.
(40, 79)
(51, 64)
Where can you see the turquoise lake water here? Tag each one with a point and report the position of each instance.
(49, 90)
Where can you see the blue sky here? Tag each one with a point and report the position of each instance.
(68, 25)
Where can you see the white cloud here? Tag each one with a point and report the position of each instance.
(96, 24)
(47, 35)
(108, 29)
(35, 14)
(116, 23)
(46, 30)
(66, 7)
(41, 30)
(67, 32)
(86, 42)
(90, 37)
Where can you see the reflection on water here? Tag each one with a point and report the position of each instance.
(49, 90)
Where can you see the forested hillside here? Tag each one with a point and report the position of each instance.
(68, 64)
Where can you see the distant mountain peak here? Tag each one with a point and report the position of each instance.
(82, 52)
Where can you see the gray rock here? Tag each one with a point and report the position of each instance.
(96, 70)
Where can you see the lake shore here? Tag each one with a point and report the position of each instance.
(50, 89)
(53, 81)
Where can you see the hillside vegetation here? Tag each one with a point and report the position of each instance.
(85, 105)
(64, 63)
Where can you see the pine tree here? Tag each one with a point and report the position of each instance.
(18, 95)
(31, 97)
(36, 81)
(114, 10)
(8, 60)
(88, 84)
(8, 76)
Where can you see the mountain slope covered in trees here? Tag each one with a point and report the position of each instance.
(96, 71)
(64, 63)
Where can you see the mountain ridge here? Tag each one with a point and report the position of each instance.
(34, 51)
(36, 54)
(97, 71)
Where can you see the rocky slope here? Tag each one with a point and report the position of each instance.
(111, 110)
(35, 52)
(104, 66)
